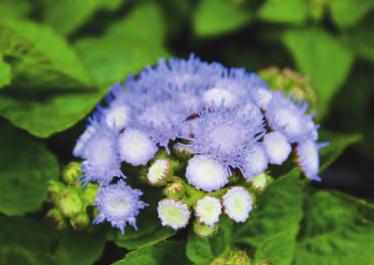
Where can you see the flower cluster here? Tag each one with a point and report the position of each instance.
(222, 120)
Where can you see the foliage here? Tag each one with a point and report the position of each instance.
(57, 59)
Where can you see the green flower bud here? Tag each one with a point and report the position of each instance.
(218, 261)
(89, 193)
(260, 182)
(80, 221)
(204, 231)
(237, 257)
(70, 202)
(290, 81)
(54, 189)
(174, 190)
(57, 217)
(71, 172)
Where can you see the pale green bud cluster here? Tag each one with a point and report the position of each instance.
(70, 200)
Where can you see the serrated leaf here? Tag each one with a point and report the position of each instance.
(337, 144)
(278, 249)
(43, 117)
(323, 58)
(163, 253)
(28, 48)
(214, 17)
(337, 230)
(5, 73)
(281, 201)
(284, 11)
(26, 166)
(34, 242)
(78, 12)
(115, 55)
(346, 13)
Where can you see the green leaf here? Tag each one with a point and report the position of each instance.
(81, 248)
(337, 144)
(160, 254)
(26, 166)
(277, 249)
(337, 230)
(149, 232)
(323, 58)
(43, 117)
(346, 13)
(115, 55)
(39, 57)
(361, 40)
(284, 11)
(281, 201)
(15, 8)
(78, 12)
(5, 73)
(34, 242)
(214, 17)
(204, 250)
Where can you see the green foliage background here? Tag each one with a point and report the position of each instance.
(57, 58)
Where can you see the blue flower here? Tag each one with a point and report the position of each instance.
(160, 116)
(308, 158)
(135, 147)
(255, 161)
(289, 118)
(224, 133)
(233, 87)
(119, 204)
(99, 150)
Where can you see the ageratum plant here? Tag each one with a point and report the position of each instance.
(209, 135)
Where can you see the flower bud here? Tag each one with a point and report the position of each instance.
(208, 210)
(174, 190)
(71, 172)
(237, 257)
(204, 231)
(290, 81)
(70, 202)
(89, 193)
(57, 217)
(260, 182)
(237, 204)
(159, 171)
(80, 221)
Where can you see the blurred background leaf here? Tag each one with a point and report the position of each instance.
(25, 168)
(213, 17)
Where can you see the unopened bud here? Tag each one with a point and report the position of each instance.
(80, 221)
(237, 257)
(57, 218)
(70, 202)
(71, 172)
(174, 190)
(204, 231)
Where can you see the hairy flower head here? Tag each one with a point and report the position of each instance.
(206, 174)
(119, 204)
(289, 118)
(135, 147)
(224, 134)
(237, 204)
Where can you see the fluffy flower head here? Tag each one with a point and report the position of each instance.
(208, 210)
(119, 204)
(237, 204)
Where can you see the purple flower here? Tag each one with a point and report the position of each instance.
(290, 118)
(224, 133)
(99, 150)
(119, 204)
